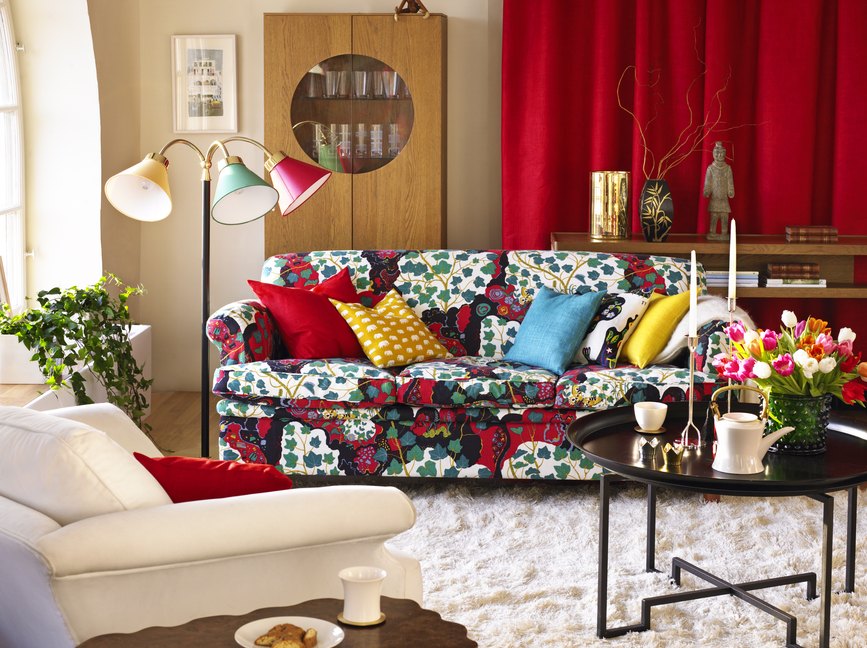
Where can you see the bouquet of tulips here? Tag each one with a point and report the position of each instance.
(802, 359)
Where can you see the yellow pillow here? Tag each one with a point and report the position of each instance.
(391, 334)
(655, 327)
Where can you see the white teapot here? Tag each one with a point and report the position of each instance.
(740, 445)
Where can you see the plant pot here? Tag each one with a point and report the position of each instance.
(656, 210)
(807, 414)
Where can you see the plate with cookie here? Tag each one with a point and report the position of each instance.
(289, 632)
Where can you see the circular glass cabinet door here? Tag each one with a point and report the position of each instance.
(352, 114)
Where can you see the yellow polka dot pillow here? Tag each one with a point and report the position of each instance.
(391, 334)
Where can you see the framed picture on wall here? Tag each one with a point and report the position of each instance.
(204, 91)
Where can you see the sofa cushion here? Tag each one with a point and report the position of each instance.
(390, 333)
(612, 325)
(307, 383)
(309, 325)
(595, 388)
(553, 328)
(655, 328)
(68, 470)
(472, 381)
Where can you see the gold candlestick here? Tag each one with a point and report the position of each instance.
(685, 440)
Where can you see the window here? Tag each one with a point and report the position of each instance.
(11, 163)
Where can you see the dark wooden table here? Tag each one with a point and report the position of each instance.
(609, 439)
(406, 624)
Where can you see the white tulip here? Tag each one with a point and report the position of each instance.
(800, 357)
(826, 365)
(846, 334)
(811, 366)
(789, 319)
(762, 370)
(749, 337)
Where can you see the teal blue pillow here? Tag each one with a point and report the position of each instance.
(553, 328)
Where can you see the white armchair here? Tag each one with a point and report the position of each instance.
(90, 543)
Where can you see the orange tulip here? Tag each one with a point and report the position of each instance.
(807, 340)
(817, 326)
(862, 370)
(816, 351)
(755, 347)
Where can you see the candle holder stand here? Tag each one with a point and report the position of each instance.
(732, 305)
(686, 439)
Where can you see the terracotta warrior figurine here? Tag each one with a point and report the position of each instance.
(719, 186)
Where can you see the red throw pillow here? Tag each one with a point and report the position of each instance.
(186, 479)
(309, 325)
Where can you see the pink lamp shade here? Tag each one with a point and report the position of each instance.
(294, 180)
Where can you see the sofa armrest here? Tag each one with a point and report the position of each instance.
(243, 331)
(223, 528)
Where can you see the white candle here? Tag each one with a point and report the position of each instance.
(693, 297)
(733, 262)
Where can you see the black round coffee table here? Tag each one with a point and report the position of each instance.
(609, 439)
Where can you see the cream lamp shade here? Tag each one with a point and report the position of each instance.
(142, 191)
(241, 196)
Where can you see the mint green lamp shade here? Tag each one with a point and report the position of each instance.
(241, 195)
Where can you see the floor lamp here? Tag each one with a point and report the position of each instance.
(142, 192)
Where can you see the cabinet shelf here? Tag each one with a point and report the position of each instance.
(836, 260)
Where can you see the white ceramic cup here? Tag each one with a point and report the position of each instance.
(650, 415)
(361, 590)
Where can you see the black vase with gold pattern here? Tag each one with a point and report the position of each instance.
(656, 209)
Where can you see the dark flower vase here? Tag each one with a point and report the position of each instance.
(807, 414)
(656, 210)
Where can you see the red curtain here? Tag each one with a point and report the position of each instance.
(794, 106)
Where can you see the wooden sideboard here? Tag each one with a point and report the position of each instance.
(755, 251)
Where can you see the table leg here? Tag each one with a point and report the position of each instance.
(650, 564)
(827, 550)
(851, 522)
(602, 569)
(602, 631)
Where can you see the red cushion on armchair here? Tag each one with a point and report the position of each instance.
(186, 479)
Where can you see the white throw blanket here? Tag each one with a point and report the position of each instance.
(709, 308)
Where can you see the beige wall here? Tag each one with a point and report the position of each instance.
(170, 250)
(61, 143)
(115, 28)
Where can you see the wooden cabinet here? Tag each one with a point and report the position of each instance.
(836, 260)
(397, 201)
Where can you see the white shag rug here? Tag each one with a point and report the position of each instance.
(516, 565)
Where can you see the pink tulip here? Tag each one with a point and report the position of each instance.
(799, 328)
(745, 371)
(826, 342)
(769, 340)
(844, 349)
(784, 365)
(735, 331)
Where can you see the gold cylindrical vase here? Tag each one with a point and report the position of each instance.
(609, 205)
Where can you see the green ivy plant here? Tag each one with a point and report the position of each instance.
(84, 326)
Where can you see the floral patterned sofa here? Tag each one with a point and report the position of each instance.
(472, 415)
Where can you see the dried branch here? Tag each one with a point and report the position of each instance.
(693, 135)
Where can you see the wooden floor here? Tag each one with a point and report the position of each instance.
(175, 423)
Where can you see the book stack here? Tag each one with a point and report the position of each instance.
(794, 275)
(811, 234)
(745, 278)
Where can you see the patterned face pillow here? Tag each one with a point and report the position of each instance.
(611, 327)
(390, 333)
